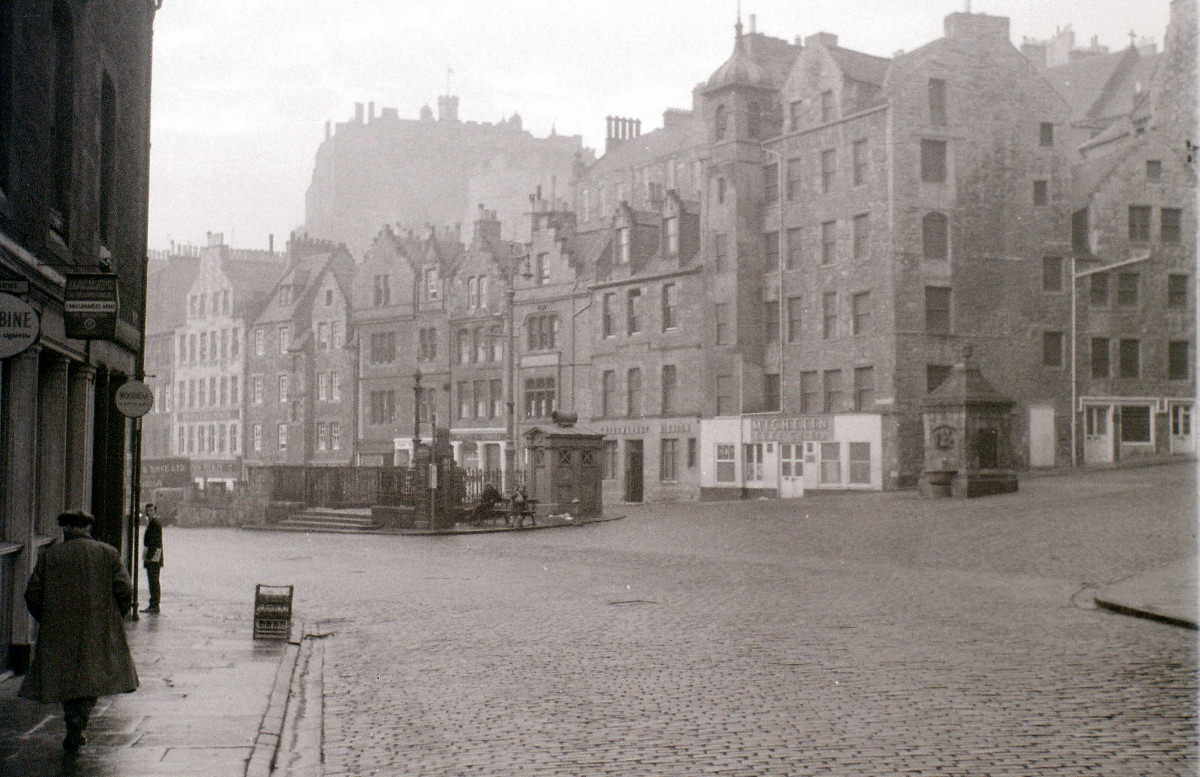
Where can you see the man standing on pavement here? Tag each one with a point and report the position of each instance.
(79, 593)
(152, 557)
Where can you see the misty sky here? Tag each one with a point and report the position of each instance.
(242, 90)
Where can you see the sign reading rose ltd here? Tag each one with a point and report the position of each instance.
(19, 325)
(90, 306)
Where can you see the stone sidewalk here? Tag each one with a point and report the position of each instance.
(210, 704)
(1167, 594)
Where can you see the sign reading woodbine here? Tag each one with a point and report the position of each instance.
(19, 325)
(134, 399)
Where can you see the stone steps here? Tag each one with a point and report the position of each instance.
(349, 520)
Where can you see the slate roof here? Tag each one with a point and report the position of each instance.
(860, 66)
(1103, 85)
(683, 135)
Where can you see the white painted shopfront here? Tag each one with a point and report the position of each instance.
(785, 456)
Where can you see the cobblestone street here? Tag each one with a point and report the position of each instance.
(871, 634)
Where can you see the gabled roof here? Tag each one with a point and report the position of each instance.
(251, 280)
(1103, 86)
(859, 66)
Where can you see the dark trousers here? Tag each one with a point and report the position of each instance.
(76, 713)
(152, 571)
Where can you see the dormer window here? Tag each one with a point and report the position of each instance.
(720, 122)
(431, 283)
(624, 245)
(671, 227)
(285, 295)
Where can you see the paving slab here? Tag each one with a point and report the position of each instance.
(1167, 594)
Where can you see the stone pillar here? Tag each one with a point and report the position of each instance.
(52, 444)
(20, 497)
(81, 400)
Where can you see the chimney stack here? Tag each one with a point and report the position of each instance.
(358, 113)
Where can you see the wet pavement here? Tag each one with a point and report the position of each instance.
(862, 634)
(205, 686)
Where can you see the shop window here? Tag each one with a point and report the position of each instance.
(668, 468)
(1135, 423)
(752, 461)
(1181, 420)
(726, 465)
(831, 463)
(860, 462)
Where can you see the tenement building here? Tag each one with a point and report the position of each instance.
(297, 400)
(1133, 269)
(209, 375)
(74, 156)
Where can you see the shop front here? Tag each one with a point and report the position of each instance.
(650, 459)
(1118, 428)
(784, 456)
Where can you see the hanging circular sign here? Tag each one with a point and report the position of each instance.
(134, 399)
(19, 325)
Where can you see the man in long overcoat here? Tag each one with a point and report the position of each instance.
(152, 558)
(79, 593)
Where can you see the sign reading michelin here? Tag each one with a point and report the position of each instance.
(19, 325)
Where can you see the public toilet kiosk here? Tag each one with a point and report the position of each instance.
(968, 436)
(564, 472)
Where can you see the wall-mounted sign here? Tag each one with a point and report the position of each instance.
(19, 325)
(134, 399)
(90, 306)
(166, 473)
(14, 287)
(794, 429)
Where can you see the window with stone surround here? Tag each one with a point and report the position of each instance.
(1177, 291)
(937, 102)
(810, 392)
(1170, 221)
(1127, 289)
(794, 243)
(858, 152)
(1101, 364)
(1177, 360)
(933, 161)
(1129, 363)
(795, 172)
(1052, 349)
(937, 310)
(1139, 223)
(935, 237)
(828, 169)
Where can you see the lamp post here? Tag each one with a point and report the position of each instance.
(416, 440)
(516, 259)
(1075, 276)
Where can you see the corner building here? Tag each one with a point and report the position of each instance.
(74, 160)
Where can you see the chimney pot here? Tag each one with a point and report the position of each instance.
(753, 23)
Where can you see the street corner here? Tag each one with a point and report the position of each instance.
(1166, 594)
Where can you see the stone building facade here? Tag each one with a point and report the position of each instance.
(74, 159)
(298, 398)
(382, 169)
(210, 357)
(1134, 268)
